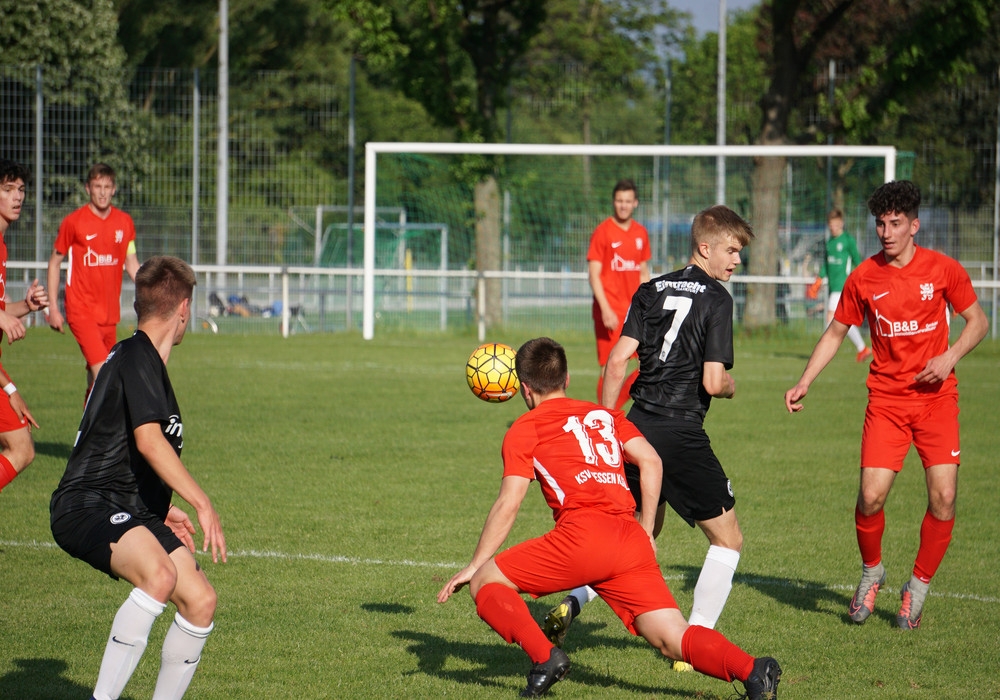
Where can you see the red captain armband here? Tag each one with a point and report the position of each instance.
(813, 290)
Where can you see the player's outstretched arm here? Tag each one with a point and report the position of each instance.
(34, 300)
(825, 350)
(498, 525)
(717, 381)
(614, 371)
(157, 451)
(938, 368)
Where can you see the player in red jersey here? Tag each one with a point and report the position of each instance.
(99, 240)
(17, 449)
(904, 291)
(577, 450)
(617, 263)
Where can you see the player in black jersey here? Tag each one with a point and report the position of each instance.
(112, 507)
(681, 325)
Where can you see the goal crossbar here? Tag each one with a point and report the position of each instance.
(374, 148)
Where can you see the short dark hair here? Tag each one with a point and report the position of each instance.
(541, 365)
(161, 284)
(896, 197)
(11, 171)
(625, 185)
(711, 224)
(100, 170)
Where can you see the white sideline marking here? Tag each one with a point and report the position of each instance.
(338, 559)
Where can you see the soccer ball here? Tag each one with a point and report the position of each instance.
(491, 374)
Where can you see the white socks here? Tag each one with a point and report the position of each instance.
(181, 653)
(583, 595)
(855, 337)
(714, 584)
(129, 633)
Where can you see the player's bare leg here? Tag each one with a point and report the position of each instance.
(17, 451)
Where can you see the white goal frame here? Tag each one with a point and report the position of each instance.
(374, 148)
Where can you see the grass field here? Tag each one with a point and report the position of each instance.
(353, 479)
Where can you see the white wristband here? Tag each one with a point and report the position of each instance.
(10, 389)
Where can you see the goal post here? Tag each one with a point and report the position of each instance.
(593, 165)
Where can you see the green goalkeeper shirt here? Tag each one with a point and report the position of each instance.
(841, 257)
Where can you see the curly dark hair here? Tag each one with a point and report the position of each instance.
(896, 197)
(11, 171)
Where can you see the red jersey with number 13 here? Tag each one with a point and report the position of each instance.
(907, 312)
(96, 248)
(575, 449)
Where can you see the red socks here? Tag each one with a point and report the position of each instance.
(870, 529)
(7, 472)
(714, 655)
(935, 536)
(505, 611)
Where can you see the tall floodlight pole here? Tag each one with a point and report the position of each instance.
(720, 130)
(222, 164)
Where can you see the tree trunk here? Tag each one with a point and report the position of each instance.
(768, 177)
(488, 245)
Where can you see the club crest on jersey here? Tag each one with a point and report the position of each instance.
(927, 291)
(638, 243)
(119, 235)
(119, 518)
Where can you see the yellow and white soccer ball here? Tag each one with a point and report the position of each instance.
(491, 374)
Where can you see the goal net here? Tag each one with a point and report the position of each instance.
(517, 219)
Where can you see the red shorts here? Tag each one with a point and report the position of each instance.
(95, 340)
(610, 553)
(8, 419)
(606, 339)
(890, 429)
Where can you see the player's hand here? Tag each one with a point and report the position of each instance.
(36, 298)
(456, 582)
(935, 371)
(55, 318)
(610, 319)
(179, 522)
(211, 526)
(794, 396)
(21, 409)
(11, 326)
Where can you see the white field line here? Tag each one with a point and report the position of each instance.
(755, 581)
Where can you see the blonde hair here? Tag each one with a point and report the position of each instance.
(714, 223)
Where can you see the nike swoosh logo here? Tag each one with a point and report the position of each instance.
(616, 244)
(94, 235)
(118, 641)
(956, 453)
(879, 296)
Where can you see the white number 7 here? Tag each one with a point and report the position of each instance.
(680, 306)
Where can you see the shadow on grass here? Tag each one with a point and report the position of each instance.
(41, 679)
(58, 450)
(506, 667)
(807, 596)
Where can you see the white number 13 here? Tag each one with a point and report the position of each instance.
(609, 450)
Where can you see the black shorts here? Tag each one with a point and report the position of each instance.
(88, 531)
(694, 483)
